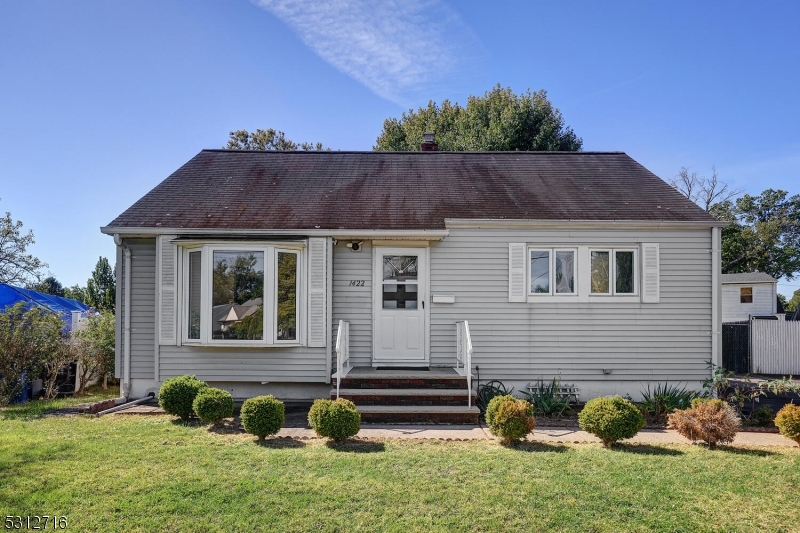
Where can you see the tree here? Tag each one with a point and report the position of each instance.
(94, 346)
(267, 140)
(76, 292)
(705, 192)
(101, 288)
(49, 285)
(16, 266)
(763, 234)
(28, 337)
(793, 303)
(498, 120)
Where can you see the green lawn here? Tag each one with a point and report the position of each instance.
(125, 473)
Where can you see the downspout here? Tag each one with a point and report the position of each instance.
(716, 307)
(126, 328)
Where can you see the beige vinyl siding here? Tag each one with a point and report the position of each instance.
(289, 364)
(143, 306)
(669, 340)
(353, 303)
(764, 301)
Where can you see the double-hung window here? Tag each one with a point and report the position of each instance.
(242, 294)
(613, 271)
(552, 271)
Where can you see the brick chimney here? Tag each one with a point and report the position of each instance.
(428, 142)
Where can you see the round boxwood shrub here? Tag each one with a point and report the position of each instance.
(177, 395)
(510, 418)
(337, 419)
(212, 405)
(788, 421)
(611, 418)
(262, 415)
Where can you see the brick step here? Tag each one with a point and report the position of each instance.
(357, 382)
(402, 397)
(389, 414)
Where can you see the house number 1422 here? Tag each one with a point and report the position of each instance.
(356, 282)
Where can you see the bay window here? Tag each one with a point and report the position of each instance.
(241, 294)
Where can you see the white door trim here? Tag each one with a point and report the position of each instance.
(423, 277)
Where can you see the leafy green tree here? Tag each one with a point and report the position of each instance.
(28, 338)
(16, 266)
(95, 350)
(49, 285)
(792, 303)
(763, 234)
(101, 288)
(269, 139)
(498, 120)
(76, 292)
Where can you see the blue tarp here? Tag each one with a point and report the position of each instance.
(10, 295)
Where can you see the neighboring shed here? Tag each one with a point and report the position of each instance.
(748, 294)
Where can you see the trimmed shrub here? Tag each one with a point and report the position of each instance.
(611, 418)
(788, 421)
(262, 415)
(211, 405)
(337, 419)
(712, 421)
(177, 395)
(510, 418)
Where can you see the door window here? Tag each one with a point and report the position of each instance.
(400, 281)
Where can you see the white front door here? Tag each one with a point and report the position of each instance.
(400, 291)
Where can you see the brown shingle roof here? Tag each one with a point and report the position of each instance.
(403, 190)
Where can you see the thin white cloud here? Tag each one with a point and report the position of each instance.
(394, 48)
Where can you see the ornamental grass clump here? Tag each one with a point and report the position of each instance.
(211, 405)
(788, 422)
(510, 418)
(262, 416)
(711, 421)
(611, 418)
(337, 419)
(177, 395)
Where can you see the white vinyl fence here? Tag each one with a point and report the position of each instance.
(775, 347)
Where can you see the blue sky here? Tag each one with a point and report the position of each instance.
(102, 100)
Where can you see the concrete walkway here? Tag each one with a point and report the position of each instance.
(554, 435)
(561, 435)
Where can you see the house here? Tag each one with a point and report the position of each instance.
(749, 294)
(581, 266)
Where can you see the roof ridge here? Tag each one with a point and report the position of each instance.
(459, 152)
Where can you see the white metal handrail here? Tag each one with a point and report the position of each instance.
(342, 352)
(464, 355)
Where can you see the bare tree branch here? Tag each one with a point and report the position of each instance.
(705, 192)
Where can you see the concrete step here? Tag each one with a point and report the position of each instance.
(416, 414)
(403, 397)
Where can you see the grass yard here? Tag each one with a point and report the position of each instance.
(125, 473)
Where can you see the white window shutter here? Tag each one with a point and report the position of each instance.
(650, 274)
(167, 264)
(317, 306)
(516, 272)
